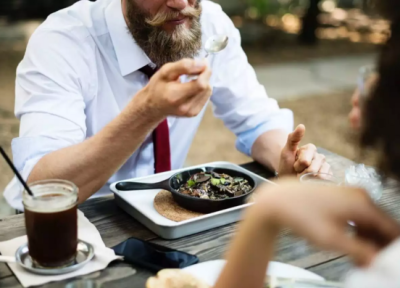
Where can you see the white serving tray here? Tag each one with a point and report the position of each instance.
(139, 204)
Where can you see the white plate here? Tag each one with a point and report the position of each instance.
(210, 270)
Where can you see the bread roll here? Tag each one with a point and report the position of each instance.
(174, 278)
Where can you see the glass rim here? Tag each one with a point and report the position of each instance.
(318, 173)
(48, 182)
(53, 181)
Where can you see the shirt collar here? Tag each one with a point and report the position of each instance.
(130, 56)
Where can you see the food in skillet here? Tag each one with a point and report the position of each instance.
(214, 186)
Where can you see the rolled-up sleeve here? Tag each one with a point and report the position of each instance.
(238, 98)
(50, 102)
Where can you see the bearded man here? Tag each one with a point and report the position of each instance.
(103, 95)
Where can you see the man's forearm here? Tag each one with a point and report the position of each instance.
(268, 147)
(91, 163)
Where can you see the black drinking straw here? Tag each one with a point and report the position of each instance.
(15, 171)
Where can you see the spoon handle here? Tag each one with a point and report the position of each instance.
(194, 77)
(7, 259)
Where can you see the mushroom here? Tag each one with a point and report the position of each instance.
(202, 178)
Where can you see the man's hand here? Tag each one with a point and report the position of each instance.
(303, 160)
(166, 96)
(320, 214)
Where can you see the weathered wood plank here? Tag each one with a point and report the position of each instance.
(117, 274)
(10, 282)
(213, 244)
(307, 261)
(112, 222)
(334, 270)
(11, 227)
(116, 226)
(4, 271)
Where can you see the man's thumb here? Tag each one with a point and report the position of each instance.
(295, 137)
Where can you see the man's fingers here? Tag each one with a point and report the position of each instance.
(204, 78)
(316, 164)
(305, 155)
(197, 104)
(191, 96)
(325, 168)
(295, 138)
(195, 87)
(172, 71)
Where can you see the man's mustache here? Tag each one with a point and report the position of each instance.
(163, 17)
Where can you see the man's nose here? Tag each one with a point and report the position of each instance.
(177, 4)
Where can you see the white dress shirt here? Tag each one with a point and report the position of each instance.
(81, 69)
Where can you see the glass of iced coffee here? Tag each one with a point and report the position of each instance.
(52, 223)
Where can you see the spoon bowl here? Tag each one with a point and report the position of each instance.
(216, 43)
(213, 45)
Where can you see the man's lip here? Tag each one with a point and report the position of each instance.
(179, 20)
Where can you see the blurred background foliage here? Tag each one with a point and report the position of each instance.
(259, 19)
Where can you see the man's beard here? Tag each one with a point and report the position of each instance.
(162, 46)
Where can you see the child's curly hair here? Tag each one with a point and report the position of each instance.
(381, 128)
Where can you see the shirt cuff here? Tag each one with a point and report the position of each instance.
(281, 121)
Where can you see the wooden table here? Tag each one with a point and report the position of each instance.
(116, 226)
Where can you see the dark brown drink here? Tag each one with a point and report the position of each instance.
(52, 224)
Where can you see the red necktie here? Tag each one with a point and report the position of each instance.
(162, 151)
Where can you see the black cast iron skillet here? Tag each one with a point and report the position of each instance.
(173, 183)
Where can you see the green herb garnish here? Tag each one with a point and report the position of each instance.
(191, 183)
(215, 182)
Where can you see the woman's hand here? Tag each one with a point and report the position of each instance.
(355, 113)
(320, 214)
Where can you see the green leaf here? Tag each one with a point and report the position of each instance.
(191, 183)
(215, 182)
(222, 180)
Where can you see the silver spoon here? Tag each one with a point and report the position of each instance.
(214, 44)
